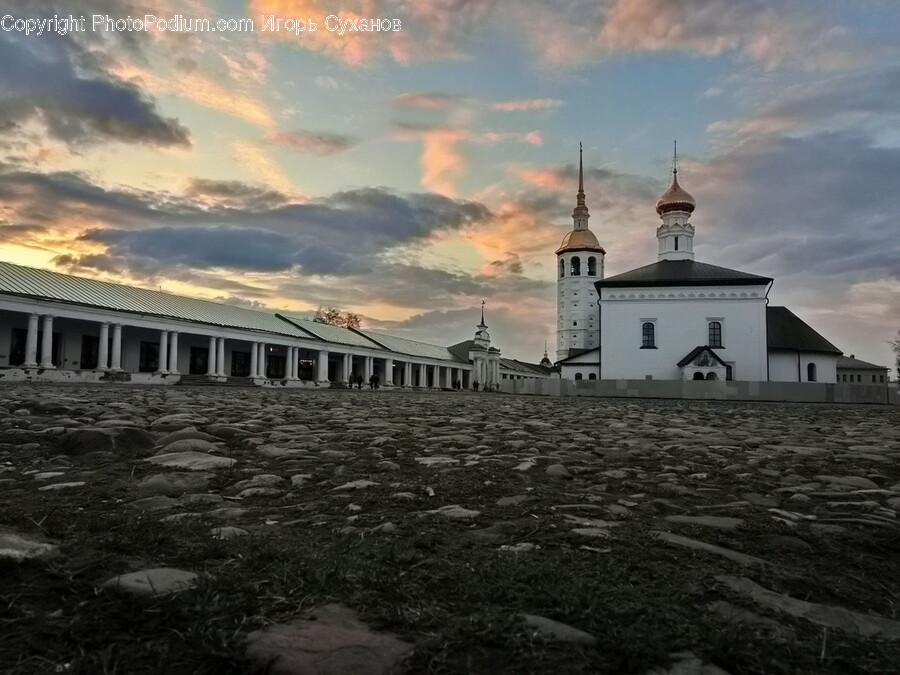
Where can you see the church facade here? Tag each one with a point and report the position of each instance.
(679, 318)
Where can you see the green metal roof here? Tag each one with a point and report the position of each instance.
(29, 282)
(411, 347)
(329, 333)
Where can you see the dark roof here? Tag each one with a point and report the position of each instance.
(523, 367)
(461, 349)
(785, 330)
(856, 364)
(681, 273)
(695, 352)
(577, 352)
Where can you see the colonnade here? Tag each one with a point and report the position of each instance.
(409, 373)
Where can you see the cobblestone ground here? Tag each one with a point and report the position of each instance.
(789, 510)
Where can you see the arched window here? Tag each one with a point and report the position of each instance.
(698, 376)
(711, 376)
(676, 243)
(576, 266)
(648, 335)
(715, 334)
(592, 376)
(592, 266)
(811, 372)
(578, 376)
(562, 268)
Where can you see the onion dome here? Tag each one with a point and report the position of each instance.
(580, 240)
(676, 198)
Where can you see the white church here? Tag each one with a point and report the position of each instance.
(676, 318)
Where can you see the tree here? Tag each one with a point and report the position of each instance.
(335, 317)
(895, 345)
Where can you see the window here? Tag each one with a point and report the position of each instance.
(648, 335)
(873, 378)
(562, 268)
(240, 364)
(811, 372)
(676, 243)
(592, 376)
(578, 376)
(881, 378)
(698, 376)
(729, 371)
(859, 378)
(148, 361)
(592, 266)
(90, 352)
(715, 334)
(574, 323)
(711, 376)
(576, 266)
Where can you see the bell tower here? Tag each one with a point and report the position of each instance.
(579, 263)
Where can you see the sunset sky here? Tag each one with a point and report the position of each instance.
(408, 175)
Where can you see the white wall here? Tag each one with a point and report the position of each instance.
(681, 325)
(783, 366)
(576, 301)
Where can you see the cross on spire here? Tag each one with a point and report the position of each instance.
(581, 211)
(482, 313)
(675, 158)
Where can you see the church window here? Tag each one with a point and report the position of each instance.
(592, 376)
(711, 376)
(648, 335)
(562, 268)
(574, 323)
(698, 376)
(729, 371)
(676, 243)
(578, 376)
(715, 334)
(873, 378)
(592, 266)
(858, 377)
(576, 266)
(811, 372)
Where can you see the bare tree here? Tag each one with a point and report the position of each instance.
(895, 345)
(335, 317)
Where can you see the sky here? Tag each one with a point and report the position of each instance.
(406, 175)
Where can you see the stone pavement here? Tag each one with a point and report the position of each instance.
(678, 467)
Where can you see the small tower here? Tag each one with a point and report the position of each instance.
(545, 362)
(676, 234)
(485, 358)
(579, 263)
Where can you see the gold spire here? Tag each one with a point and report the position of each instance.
(581, 209)
(676, 198)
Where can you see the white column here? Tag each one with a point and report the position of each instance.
(173, 352)
(367, 368)
(103, 347)
(322, 366)
(31, 342)
(292, 354)
(389, 371)
(116, 360)
(254, 359)
(220, 357)
(47, 343)
(163, 352)
(345, 374)
(448, 375)
(262, 359)
(211, 358)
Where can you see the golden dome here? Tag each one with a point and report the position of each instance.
(675, 198)
(580, 240)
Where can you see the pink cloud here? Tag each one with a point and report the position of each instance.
(527, 104)
(314, 143)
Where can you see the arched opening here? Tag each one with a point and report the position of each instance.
(698, 376)
(715, 334)
(711, 376)
(578, 376)
(648, 335)
(562, 268)
(592, 376)
(576, 266)
(676, 243)
(811, 372)
(592, 266)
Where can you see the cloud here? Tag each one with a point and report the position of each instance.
(53, 82)
(315, 143)
(234, 193)
(259, 163)
(526, 104)
(437, 100)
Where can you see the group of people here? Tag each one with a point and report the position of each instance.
(359, 381)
